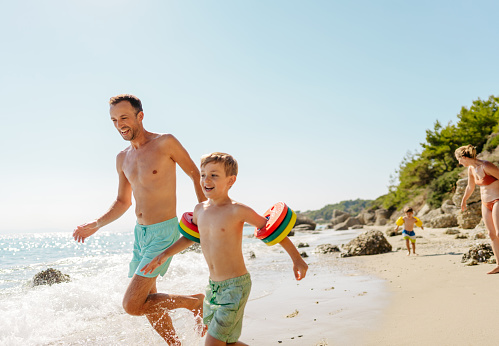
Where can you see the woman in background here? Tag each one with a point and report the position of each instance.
(486, 175)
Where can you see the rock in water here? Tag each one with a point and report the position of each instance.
(49, 277)
(371, 242)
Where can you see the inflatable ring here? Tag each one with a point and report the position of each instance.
(275, 216)
(187, 221)
(187, 235)
(281, 227)
(285, 233)
(188, 229)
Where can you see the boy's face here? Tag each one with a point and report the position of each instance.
(409, 214)
(214, 181)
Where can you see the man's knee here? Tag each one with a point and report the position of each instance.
(131, 307)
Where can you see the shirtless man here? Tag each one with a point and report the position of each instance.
(147, 168)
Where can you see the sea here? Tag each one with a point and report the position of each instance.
(87, 310)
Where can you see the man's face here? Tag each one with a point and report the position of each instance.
(125, 119)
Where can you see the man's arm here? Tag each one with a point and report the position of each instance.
(181, 244)
(119, 207)
(182, 158)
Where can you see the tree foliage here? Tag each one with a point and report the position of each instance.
(434, 168)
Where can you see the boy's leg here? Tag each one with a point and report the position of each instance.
(211, 341)
(141, 299)
(408, 246)
(491, 220)
(414, 247)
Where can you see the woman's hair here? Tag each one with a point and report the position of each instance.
(466, 151)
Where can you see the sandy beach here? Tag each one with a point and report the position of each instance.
(429, 299)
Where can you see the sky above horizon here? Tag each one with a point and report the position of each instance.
(319, 101)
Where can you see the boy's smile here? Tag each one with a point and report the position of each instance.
(214, 181)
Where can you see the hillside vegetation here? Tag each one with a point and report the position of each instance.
(430, 174)
(353, 207)
(433, 171)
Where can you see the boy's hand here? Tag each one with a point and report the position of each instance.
(155, 263)
(300, 269)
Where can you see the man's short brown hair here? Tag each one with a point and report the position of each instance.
(134, 101)
(229, 162)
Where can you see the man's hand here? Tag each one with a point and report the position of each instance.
(155, 263)
(84, 231)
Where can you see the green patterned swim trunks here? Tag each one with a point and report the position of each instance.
(223, 307)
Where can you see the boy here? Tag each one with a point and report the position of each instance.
(220, 222)
(409, 220)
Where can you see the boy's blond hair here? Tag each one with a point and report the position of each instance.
(229, 162)
(466, 151)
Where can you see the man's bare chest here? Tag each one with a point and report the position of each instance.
(142, 167)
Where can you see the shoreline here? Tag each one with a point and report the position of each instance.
(429, 299)
(435, 299)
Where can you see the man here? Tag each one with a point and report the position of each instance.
(147, 168)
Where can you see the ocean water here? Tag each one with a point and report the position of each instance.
(87, 310)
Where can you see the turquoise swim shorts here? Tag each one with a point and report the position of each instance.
(150, 241)
(223, 307)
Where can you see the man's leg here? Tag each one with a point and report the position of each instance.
(141, 298)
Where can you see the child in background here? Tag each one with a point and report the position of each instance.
(409, 221)
(220, 222)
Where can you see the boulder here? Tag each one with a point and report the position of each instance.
(305, 220)
(478, 252)
(49, 277)
(448, 207)
(368, 217)
(426, 208)
(339, 219)
(443, 221)
(382, 216)
(350, 222)
(452, 231)
(391, 232)
(304, 227)
(471, 217)
(460, 189)
(326, 248)
(337, 213)
(370, 242)
(431, 215)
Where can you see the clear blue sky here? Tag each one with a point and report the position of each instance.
(318, 100)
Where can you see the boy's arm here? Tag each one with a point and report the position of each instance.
(299, 266)
(181, 244)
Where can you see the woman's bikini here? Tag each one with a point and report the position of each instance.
(489, 186)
